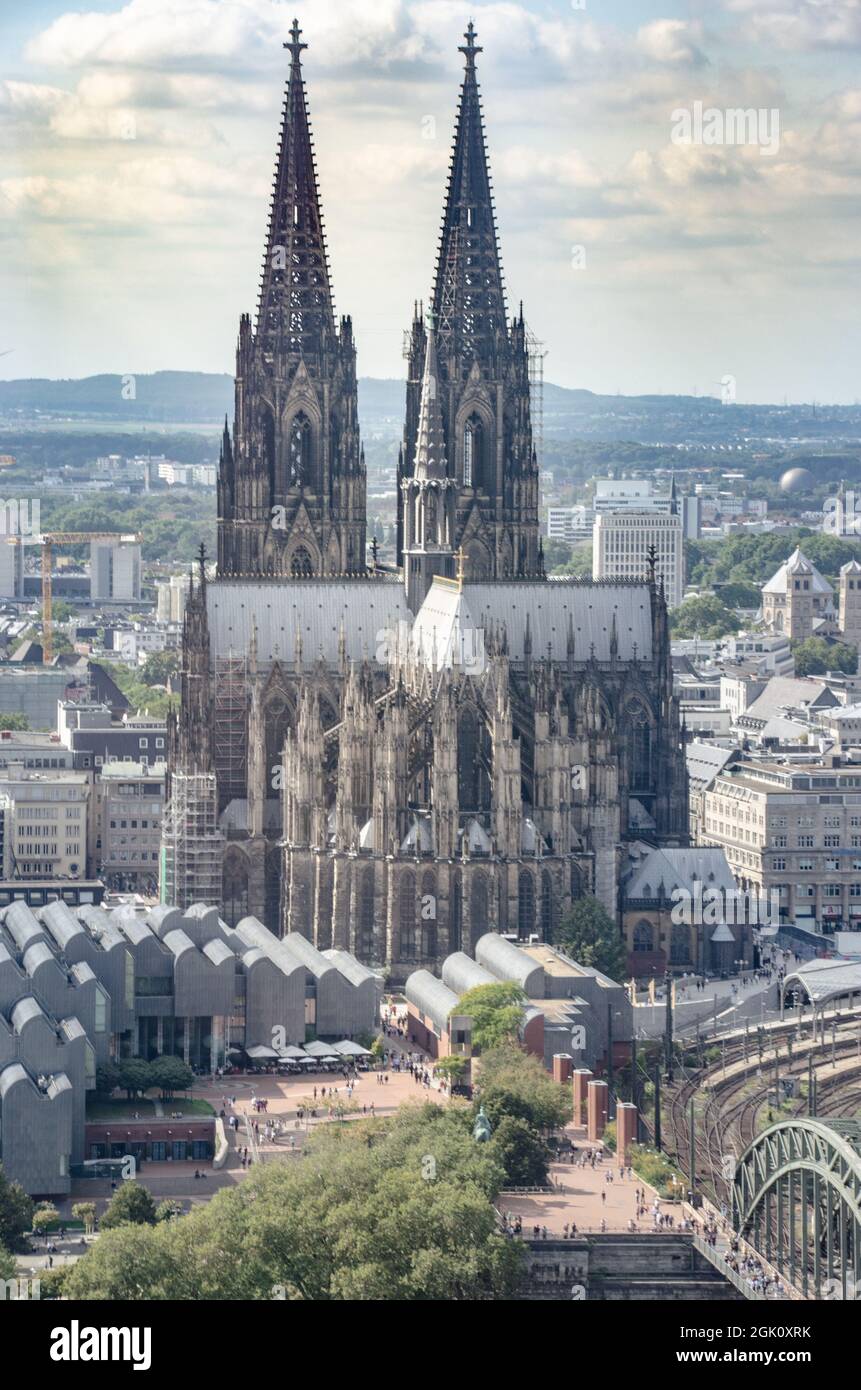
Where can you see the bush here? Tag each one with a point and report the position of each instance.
(654, 1169)
(131, 1205)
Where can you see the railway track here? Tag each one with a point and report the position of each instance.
(727, 1107)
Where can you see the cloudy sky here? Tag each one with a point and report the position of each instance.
(137, 143)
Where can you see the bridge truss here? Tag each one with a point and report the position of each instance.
(797, 1199)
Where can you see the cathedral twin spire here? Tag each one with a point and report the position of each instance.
(292, 481)
(295, 309)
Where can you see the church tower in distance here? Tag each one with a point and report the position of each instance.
(483, 373)
(291, 486)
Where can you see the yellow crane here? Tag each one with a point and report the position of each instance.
(47, 541)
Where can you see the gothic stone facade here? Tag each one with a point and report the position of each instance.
(394, 763)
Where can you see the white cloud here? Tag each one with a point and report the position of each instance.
(670, 41)
(800, 25)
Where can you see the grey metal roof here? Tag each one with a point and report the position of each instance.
(177, 942)
(316, 607)
(705, 761)
(24, 1011)
(11, 1076)
(351, 968)
(827, 979)
(431, 997)
(460, 973)
(302, 950)
(449, 619)
(506, 962)
(217, 952)
(61, 923)
(788, 692)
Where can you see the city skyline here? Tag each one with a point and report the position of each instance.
(144, 131)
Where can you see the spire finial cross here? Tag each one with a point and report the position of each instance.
(470, 48)
(293, 44)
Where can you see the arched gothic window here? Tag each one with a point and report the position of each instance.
(366, 917)
(234, 889)
(473, 452)
(640, 745)
(407, 915)
(300, 452)
(473, 755)
(277, 720)
(428, 915)
(546, 906)
(455, 928)
(477, 908)
(643, 937)
(680, 944)
(301, 565)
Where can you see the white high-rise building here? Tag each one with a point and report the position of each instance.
(620, 548)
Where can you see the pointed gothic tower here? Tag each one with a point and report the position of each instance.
(291, 489)
(483, 371)
(429, 493)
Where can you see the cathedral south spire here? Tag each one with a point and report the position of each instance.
(483, 368)
(292, 479)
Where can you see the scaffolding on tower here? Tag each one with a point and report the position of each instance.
(230, 725)
(536, 353)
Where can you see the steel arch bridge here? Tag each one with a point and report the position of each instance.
(797, 1199)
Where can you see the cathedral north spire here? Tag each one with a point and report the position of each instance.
(295, 311)
(291, 489)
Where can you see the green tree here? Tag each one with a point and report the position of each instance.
(14, 721)
(814, 656)
(515, 1083)
(522, 1153)
(135, 1075)
(496, 1011)
(45, 1216)
(131, 1205)
(395, 1209)
(588, 934)
(7, 1265)
(16, 1213)
(85, 1212)
(740, 593)
(107, 1078)
(452, 1067)
(170, 1074)
(705, 617)
(159, 667)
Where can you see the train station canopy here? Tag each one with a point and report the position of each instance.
(825, 980)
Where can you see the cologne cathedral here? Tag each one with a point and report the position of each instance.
(393, 761)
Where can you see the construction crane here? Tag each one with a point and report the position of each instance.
(47, 541)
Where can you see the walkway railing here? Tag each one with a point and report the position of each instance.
(725, 1268)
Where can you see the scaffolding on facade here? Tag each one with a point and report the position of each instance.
(192, 846)
(536, 353)
(230, 720)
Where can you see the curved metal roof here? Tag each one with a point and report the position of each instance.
(823, 980)
(431, 997)
(506, 962)
(460, 972)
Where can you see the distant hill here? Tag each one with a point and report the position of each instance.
(204, 398)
